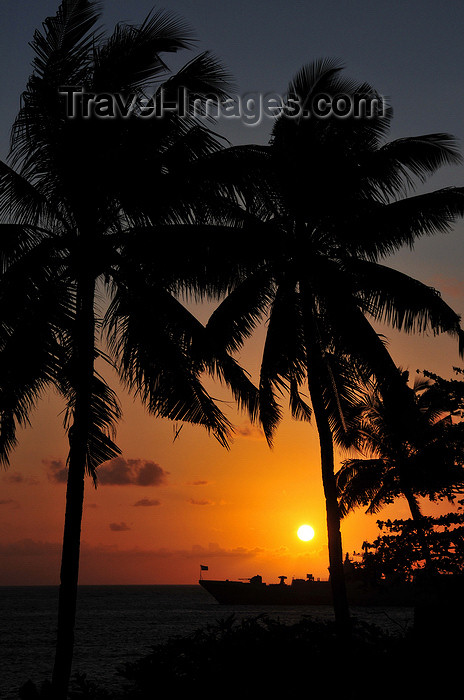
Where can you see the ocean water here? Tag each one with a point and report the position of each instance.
(116, 624)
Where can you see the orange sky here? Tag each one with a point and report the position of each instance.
(166, 507)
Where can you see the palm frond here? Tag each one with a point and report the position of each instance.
(63, 58)
(33, 312)
(104, 414)
(22, 203)
(403, 302)
(203, 78)
(284, 362)
(299, 406)
(16, 240)
(155, 362)
(398, 165)
(329, 136)
(131, 59)
(380, 229)
(65, 42)
(316, 77)
(238, 315)
(358, 483)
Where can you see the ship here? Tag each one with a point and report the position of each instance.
(253, 591)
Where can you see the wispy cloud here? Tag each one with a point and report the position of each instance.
(9, 502)
(215, 551)
(18, 478)
(29, 547)
(26, 560)
(249, 431)
(119, 527)
(200, 502)
(148, 502)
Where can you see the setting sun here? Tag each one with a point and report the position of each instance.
(305, 533)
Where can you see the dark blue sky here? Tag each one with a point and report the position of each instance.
(412, 52)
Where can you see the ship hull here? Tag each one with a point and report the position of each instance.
(308, 593)
(240, 593)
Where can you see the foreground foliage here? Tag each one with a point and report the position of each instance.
(259, 655)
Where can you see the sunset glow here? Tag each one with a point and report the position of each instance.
(165, 507)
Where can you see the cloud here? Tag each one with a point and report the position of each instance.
(214, 550)
(119, 527)
(29, 548)
(27, 560)
(136, 472)
(18, 478)
(116, 472)
(15, 478)
(199, 483)
(57, 470)
(249, 431)
(147, 502)
(201, 502)
(9, 502)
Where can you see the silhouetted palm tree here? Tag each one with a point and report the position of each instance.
(330, 201)
(93, 210)
(421, 457)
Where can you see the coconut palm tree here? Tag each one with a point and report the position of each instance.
(422, 457)
(331, 200)
(94, 209)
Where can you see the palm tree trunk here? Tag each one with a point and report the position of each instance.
(316, 371)
(82, 378)
(337, 574)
